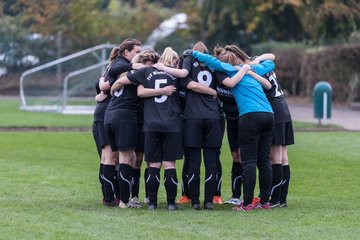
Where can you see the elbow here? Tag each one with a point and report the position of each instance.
(104, 86)
(140, 93)
(191, 86)
(183, 73)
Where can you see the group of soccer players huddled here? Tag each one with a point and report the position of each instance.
(167, 107)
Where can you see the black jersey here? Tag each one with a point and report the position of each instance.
(182, 97)
(226, 97)
(161, 113)
(277, 100)
(125, 98)
(118, 66)
(101, 106)
(199, 106)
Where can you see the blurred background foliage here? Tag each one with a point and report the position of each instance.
(313, 39)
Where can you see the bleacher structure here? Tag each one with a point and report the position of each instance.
(66, 85)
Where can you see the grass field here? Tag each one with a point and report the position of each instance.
(12, 116)
(49, 190)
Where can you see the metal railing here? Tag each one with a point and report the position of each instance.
(101, 58)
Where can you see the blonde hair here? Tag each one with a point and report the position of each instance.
(169, 57)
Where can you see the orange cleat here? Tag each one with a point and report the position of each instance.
(183, 200)
(255, 201)
(217, 200)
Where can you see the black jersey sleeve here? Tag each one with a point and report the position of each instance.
(183, 82)
(187, 63)
(220, 77)
(138, 77)
(120, 65)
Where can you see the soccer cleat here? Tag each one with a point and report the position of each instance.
(262, 206)
(209, 206)
(135, 203)
(242, 208)
(196, 206)
(283, 204)
(125, 205)
(152, 207)
(217, 200)
(183, 200)
(110, 204)
(172, 207)
(255, 201)
(233, 201)
(117, 201)
(274, 205)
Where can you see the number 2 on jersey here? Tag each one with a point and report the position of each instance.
(272, 79)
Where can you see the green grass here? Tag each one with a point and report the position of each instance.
(12, 116)
(306, 125)
(49, 190)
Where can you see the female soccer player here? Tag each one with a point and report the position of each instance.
(255, 122)
(283, 132)
(202, 126)
(162, 126)
(123, 54)
(100, 135)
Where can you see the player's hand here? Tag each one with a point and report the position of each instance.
(159, 66)
(168, 90)
(100, 97)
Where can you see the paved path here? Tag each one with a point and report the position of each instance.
(343, 116)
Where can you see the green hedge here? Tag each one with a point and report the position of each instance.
(299, 68)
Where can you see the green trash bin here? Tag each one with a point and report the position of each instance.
(322, 100)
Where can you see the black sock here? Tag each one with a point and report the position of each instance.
(194, 184)
(125, 182)
(236, 179)
(185, 179)
(136, 182)
(153, 183)
(101, 179)
(109, 175)
(171, 183)
(146, 175)
(277, 176)
(116, 183)
(285, 183)
(218, 175)
(210, 184)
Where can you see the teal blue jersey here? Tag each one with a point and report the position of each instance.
(248, 93)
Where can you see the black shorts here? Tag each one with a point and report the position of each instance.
(283, 134)
(202, 133)
(140, 145)
(100, 136)
(232, 134)
(122, 128)
(163, 146)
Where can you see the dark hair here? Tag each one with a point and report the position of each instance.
(149, 55)
(229, 57)
(127, 44)
(218, 50)
(238, 52)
